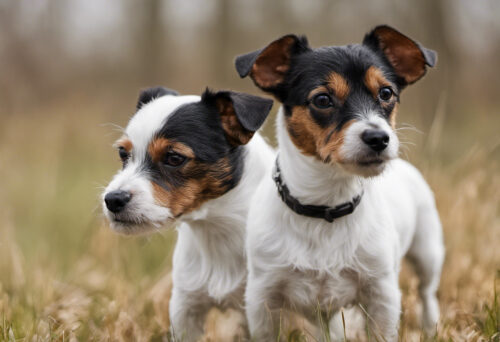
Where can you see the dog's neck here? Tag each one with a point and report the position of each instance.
(310, 180)
(232, 207)
(227, 214)
(214, 235)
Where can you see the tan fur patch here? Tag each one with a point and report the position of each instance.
(194, 191)
(271, 66)
(394, 114)
(312, 139)
(336, 84)
(319, 90)
(235, 132)
(403, 54)
(374, 80)
(339, 86)
(159, 146)
(331, 149)
(125, 143)
(302, 129)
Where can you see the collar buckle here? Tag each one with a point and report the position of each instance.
(341, 210)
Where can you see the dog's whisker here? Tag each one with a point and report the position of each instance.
(115, 127)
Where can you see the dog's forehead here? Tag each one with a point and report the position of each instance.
(317, 67)
(349, 60)
(152, 116)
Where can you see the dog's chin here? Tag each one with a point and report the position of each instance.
(138, 226)
(366, 167)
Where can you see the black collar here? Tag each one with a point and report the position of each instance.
(317, 211)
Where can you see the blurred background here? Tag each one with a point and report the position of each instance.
(70, 74)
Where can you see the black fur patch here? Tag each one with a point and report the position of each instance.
(309, 70)
(198, 126)
(150, 94)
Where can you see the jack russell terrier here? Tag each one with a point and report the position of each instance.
(192, 161)
(329, 227)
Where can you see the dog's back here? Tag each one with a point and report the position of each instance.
(409, 198)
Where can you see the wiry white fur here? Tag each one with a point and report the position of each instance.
(305, 264)
(209, 266)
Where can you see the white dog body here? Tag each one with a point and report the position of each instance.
(209, 258)
(330, 227)
(308, 264)
(190, 161)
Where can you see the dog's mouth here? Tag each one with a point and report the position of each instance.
(137, 225)
(127, 222)
(366, 166)
(370, 162)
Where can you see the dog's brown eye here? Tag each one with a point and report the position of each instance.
(174, 159)
(322, 101)
(385, 93)
(122, 152)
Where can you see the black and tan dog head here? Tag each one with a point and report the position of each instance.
(340, 102)
(179, 152)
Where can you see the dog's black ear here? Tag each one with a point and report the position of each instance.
(147, 95)
(268, 66)
(407, 57)
(241, 114)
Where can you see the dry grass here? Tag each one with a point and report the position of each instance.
(65, 276)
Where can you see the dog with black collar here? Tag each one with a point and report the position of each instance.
(328, 229)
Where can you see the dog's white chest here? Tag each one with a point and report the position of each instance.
(310, 289)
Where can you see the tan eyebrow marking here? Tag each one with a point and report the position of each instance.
(339, 85)
(375, 79)
(125, 143)
(319, 90)
(157, 147)
(336, 84)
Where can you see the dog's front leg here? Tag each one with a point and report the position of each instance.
(187, 314)
(263, 310)
(381, 301)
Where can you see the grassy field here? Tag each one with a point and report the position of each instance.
(65, 276)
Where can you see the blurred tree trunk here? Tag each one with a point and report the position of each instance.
(325, 17)
(434, 12)
(222, 61)
(35, 74)
(153, 63)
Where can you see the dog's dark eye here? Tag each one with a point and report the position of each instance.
(385, 93)
(174, 159)
(322, 101)
(122, 152)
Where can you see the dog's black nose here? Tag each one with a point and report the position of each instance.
(117, 200)
(376, 139)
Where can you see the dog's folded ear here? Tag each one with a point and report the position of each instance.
(407, 57)
(268, 66)
(241, 114)
(147, 95)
